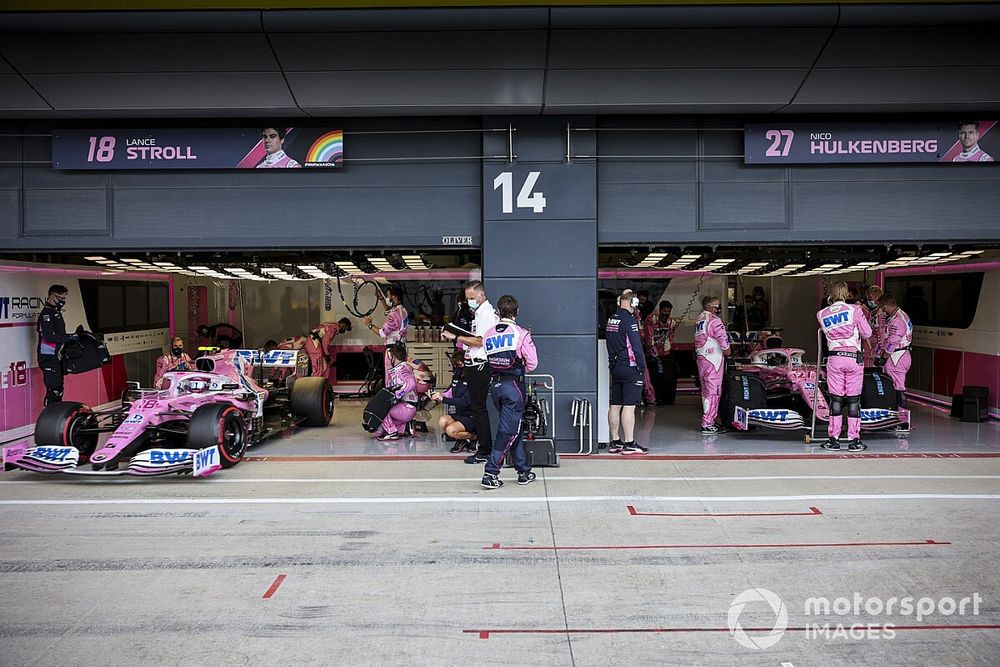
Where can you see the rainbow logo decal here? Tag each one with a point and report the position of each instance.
(326, 151)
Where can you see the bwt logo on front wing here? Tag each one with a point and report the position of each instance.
(20, 307)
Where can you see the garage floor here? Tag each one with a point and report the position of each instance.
(603, 561)
(668, 430)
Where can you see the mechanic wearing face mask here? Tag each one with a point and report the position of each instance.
(844, 326)
(875, 319)
(393, 330)
(894, 350)
(175, 360)
(627, 363)
(711, 344)
(477, 372)
(51, 336)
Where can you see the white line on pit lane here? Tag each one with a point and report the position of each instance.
(486, 500)
(548, 478)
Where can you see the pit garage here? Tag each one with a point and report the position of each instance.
(770, 297)
(308, 304)
(247, 176)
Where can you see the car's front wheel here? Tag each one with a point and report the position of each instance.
(67, 424)
(221, 425)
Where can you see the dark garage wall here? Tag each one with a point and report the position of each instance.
(368, 202)
(548, 260)
(701, 197)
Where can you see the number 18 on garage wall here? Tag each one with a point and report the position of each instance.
(526, 197)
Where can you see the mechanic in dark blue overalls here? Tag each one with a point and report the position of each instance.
(51, 336)
(627, 363)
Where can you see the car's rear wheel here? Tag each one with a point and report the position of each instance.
(221, 425)
(63, 424)
(313, 398)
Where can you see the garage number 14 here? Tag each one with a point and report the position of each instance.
(525, 197)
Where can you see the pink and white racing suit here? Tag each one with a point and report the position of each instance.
(897, 335)
(710, 340)
(844, 325)
(871, 346)
(401, 380)
(278, 160)
(393, 331)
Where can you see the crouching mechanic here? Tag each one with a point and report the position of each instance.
(711, 345)
(461, 425)
(894, 352)
(404, 386)
(844, 325)
(175, 360)
(510, 353)
(51, 337)
(627, 363)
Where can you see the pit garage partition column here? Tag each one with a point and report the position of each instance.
(540, 245)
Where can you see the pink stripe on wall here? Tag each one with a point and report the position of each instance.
(252, 158)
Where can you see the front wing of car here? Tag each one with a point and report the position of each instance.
(148, 463)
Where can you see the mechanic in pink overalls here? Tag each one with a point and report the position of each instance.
(844, 325)
(894, 352)
(875, 320)
(393, 330)
(711, 345)
(404, 385)
(176, 360)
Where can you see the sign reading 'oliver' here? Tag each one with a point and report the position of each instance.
(819, 142)
(176, 148)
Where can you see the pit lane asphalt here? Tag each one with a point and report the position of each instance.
(408, 562)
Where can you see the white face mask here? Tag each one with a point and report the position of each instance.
(473, 305)
(635, 302)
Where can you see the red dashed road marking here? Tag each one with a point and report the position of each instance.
(496, 546)
(274, 587)
(813, 511)
(485, 634)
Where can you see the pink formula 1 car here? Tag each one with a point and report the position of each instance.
(775, 388)
(195, 422)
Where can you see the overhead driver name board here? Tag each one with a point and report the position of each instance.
(179, 148)
(858, 143)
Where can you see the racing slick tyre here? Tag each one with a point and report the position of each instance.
(222, 425)
(60, 424)
(313, 398)
(878, 391)
(744, 390)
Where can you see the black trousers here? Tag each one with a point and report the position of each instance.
(479, 390)
(52, 376)
(663, 374)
